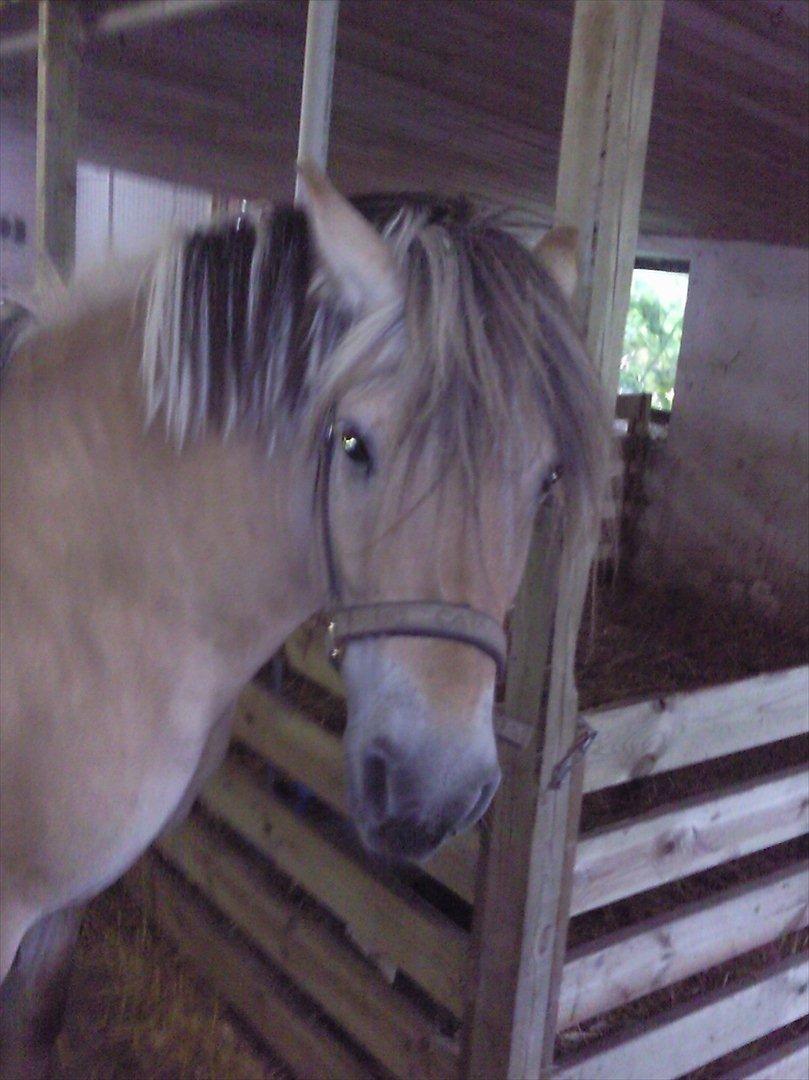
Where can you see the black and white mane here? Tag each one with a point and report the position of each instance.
(243, 329)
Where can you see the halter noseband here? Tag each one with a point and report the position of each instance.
(398, 618)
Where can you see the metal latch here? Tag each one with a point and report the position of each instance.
(585, 736)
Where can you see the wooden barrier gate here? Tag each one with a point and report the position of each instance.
(348, 972)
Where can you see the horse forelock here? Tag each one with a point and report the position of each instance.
(242, 329)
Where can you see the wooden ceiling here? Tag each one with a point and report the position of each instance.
(454, 94)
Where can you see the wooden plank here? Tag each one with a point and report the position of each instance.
(694, 1035)
(236, 973)
(346, 987)
(57, 141)
(787, 1062)
(607, 108)
(693, 835)
(608, 105)
(305, 751)
(408, 935)
(500, 906)
(682, 729)
(318, 77)
(658, 952)
(133, 15)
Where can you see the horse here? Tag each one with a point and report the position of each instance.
(347, 406)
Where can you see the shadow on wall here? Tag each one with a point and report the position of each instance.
(728, 494)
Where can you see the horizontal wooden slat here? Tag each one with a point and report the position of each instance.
(628, 858)
(346, 987)
(304, 750)
(658, 952)
(787, 1062)
(428, 947)
(696, 1034)
(240, 977)
(683, 729)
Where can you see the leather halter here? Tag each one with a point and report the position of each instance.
(398, 618)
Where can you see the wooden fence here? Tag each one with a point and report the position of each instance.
(348, 969)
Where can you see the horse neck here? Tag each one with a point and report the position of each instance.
(243, 523)
(217, 538)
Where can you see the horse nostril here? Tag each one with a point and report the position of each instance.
(375, 784)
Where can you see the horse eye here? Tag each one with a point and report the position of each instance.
(355, 448)
(551, 478)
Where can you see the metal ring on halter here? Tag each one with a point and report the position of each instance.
(417, 618)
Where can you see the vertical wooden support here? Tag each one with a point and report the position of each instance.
(318, 78)
(524, 883)
(602, 157)
(57, 140)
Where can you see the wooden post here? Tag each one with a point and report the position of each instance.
(602, 157)
(318, 77)
(57, 140)
(522, 907)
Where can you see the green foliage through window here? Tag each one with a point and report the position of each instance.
(654, 329)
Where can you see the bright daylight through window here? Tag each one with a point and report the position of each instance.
(654, 329)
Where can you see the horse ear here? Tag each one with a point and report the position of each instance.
(557, 253)
(353, 251)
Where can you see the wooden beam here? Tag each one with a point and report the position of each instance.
(687, 837)
(400, 931)
(602, 160)
(239, 976)
(318, 77)
(315, 957)
(693, 1035)
(306, 752)
(786, 1062)
(682, 729)
(120, 20)
(57, 140)
(658, 952)
(526, 873)
(503, 871)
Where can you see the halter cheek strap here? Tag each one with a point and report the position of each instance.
(400, 618)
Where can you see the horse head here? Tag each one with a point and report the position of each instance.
(458, 398)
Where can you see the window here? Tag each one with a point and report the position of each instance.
(654, 329)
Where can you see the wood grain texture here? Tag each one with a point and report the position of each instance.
(684, 838)
(787, 1062)
(404, 933)
(658, 952)
(696, 1034)
(471, 100)
(683, 729)
(236, 973)
(503, 874)
(315, 958)
(290, 739)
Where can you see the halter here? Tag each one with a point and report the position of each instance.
(398, 618)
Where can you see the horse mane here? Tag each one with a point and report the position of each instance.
(242, 330)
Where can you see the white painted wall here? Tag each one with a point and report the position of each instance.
(728, 492)
(17, 200)
(117, 212)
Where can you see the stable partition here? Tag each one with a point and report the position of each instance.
(372, 966)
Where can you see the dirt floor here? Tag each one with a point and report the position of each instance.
(137, 1010)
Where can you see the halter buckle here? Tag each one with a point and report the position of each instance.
(334, 651)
